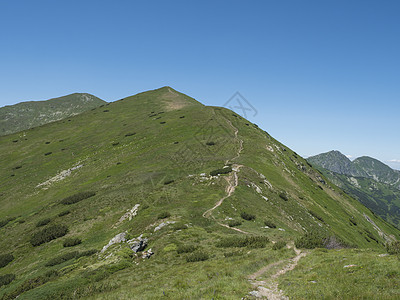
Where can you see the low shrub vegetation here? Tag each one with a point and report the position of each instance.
(197, 256)
(70, 242)
(269, 223)
(31, 284)
(6, 279)
(315, 215)
(279, 245)
(6, 221)
(68, 256)
(163, 215)
(311, 240)
(243, 241)
(393, 248)
(248, 217)
(64, 213)
(216, 172)
(43, 222)
(77, 197)
(5, 259)
(233, 223)
(284, 196)
(48, 234)
(186, 249)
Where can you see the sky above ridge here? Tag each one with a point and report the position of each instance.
(317, 75)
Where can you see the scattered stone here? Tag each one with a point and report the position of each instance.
(349, 266)
(119, 238)
(163, 224)
(383, 255)
(147, 254)
(139, 245)
(129, 215)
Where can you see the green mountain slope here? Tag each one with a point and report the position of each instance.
(25, 115)
(370, 181)
(204, 188)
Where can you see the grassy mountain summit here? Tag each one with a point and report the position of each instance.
(157, 195)
(25, 115)
(370, 181)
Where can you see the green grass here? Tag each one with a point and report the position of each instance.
(343, 274)
(135, 171)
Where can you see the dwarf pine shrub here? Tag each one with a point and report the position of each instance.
(48, 234)
(233, 223)
(77, 197)
(186, 249)
(279, 245)
(393, 247)
(5, 259)
(243, 241)
(6, 221)
(269, 223)
(6, 279)
(247, 216)
(70, 242)
(43, 222)
(221, 171)
(64, 213)
(164, 215)
(197, 256)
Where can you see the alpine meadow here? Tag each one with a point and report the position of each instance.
(157, 196)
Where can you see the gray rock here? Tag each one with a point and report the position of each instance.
(139, 245)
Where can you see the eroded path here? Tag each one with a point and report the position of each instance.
(269, 288)
(232, 181)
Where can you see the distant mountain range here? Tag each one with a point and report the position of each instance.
(373, 183)
(25, 115)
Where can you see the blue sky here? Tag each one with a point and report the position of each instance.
(322, 75)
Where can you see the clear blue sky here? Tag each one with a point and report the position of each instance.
(322, 75)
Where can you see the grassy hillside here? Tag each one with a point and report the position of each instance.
(208, 191)
(25, 115)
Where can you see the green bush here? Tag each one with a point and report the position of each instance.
(311, 240)
(315, 215)
(197, 256)
(64, 213)
(47, 234)
(89, 252)
(166, 182)
(5, 259)
(186, 249)
(269, 223)
(283, 196)
(210, 143)
(179, 226)
(6, 279)
(164, 215)
(232, 253)
(279, 245)
(6, 221)
(43, 222)
(70, 242)
(61, 258)
(221, 171)
(393, 247)
(77, 197)
(247, 216)
(233, 223)
(243, 241)
(31, 284)
(68, 256)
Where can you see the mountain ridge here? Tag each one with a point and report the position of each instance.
(199, 189)
(29, 114)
